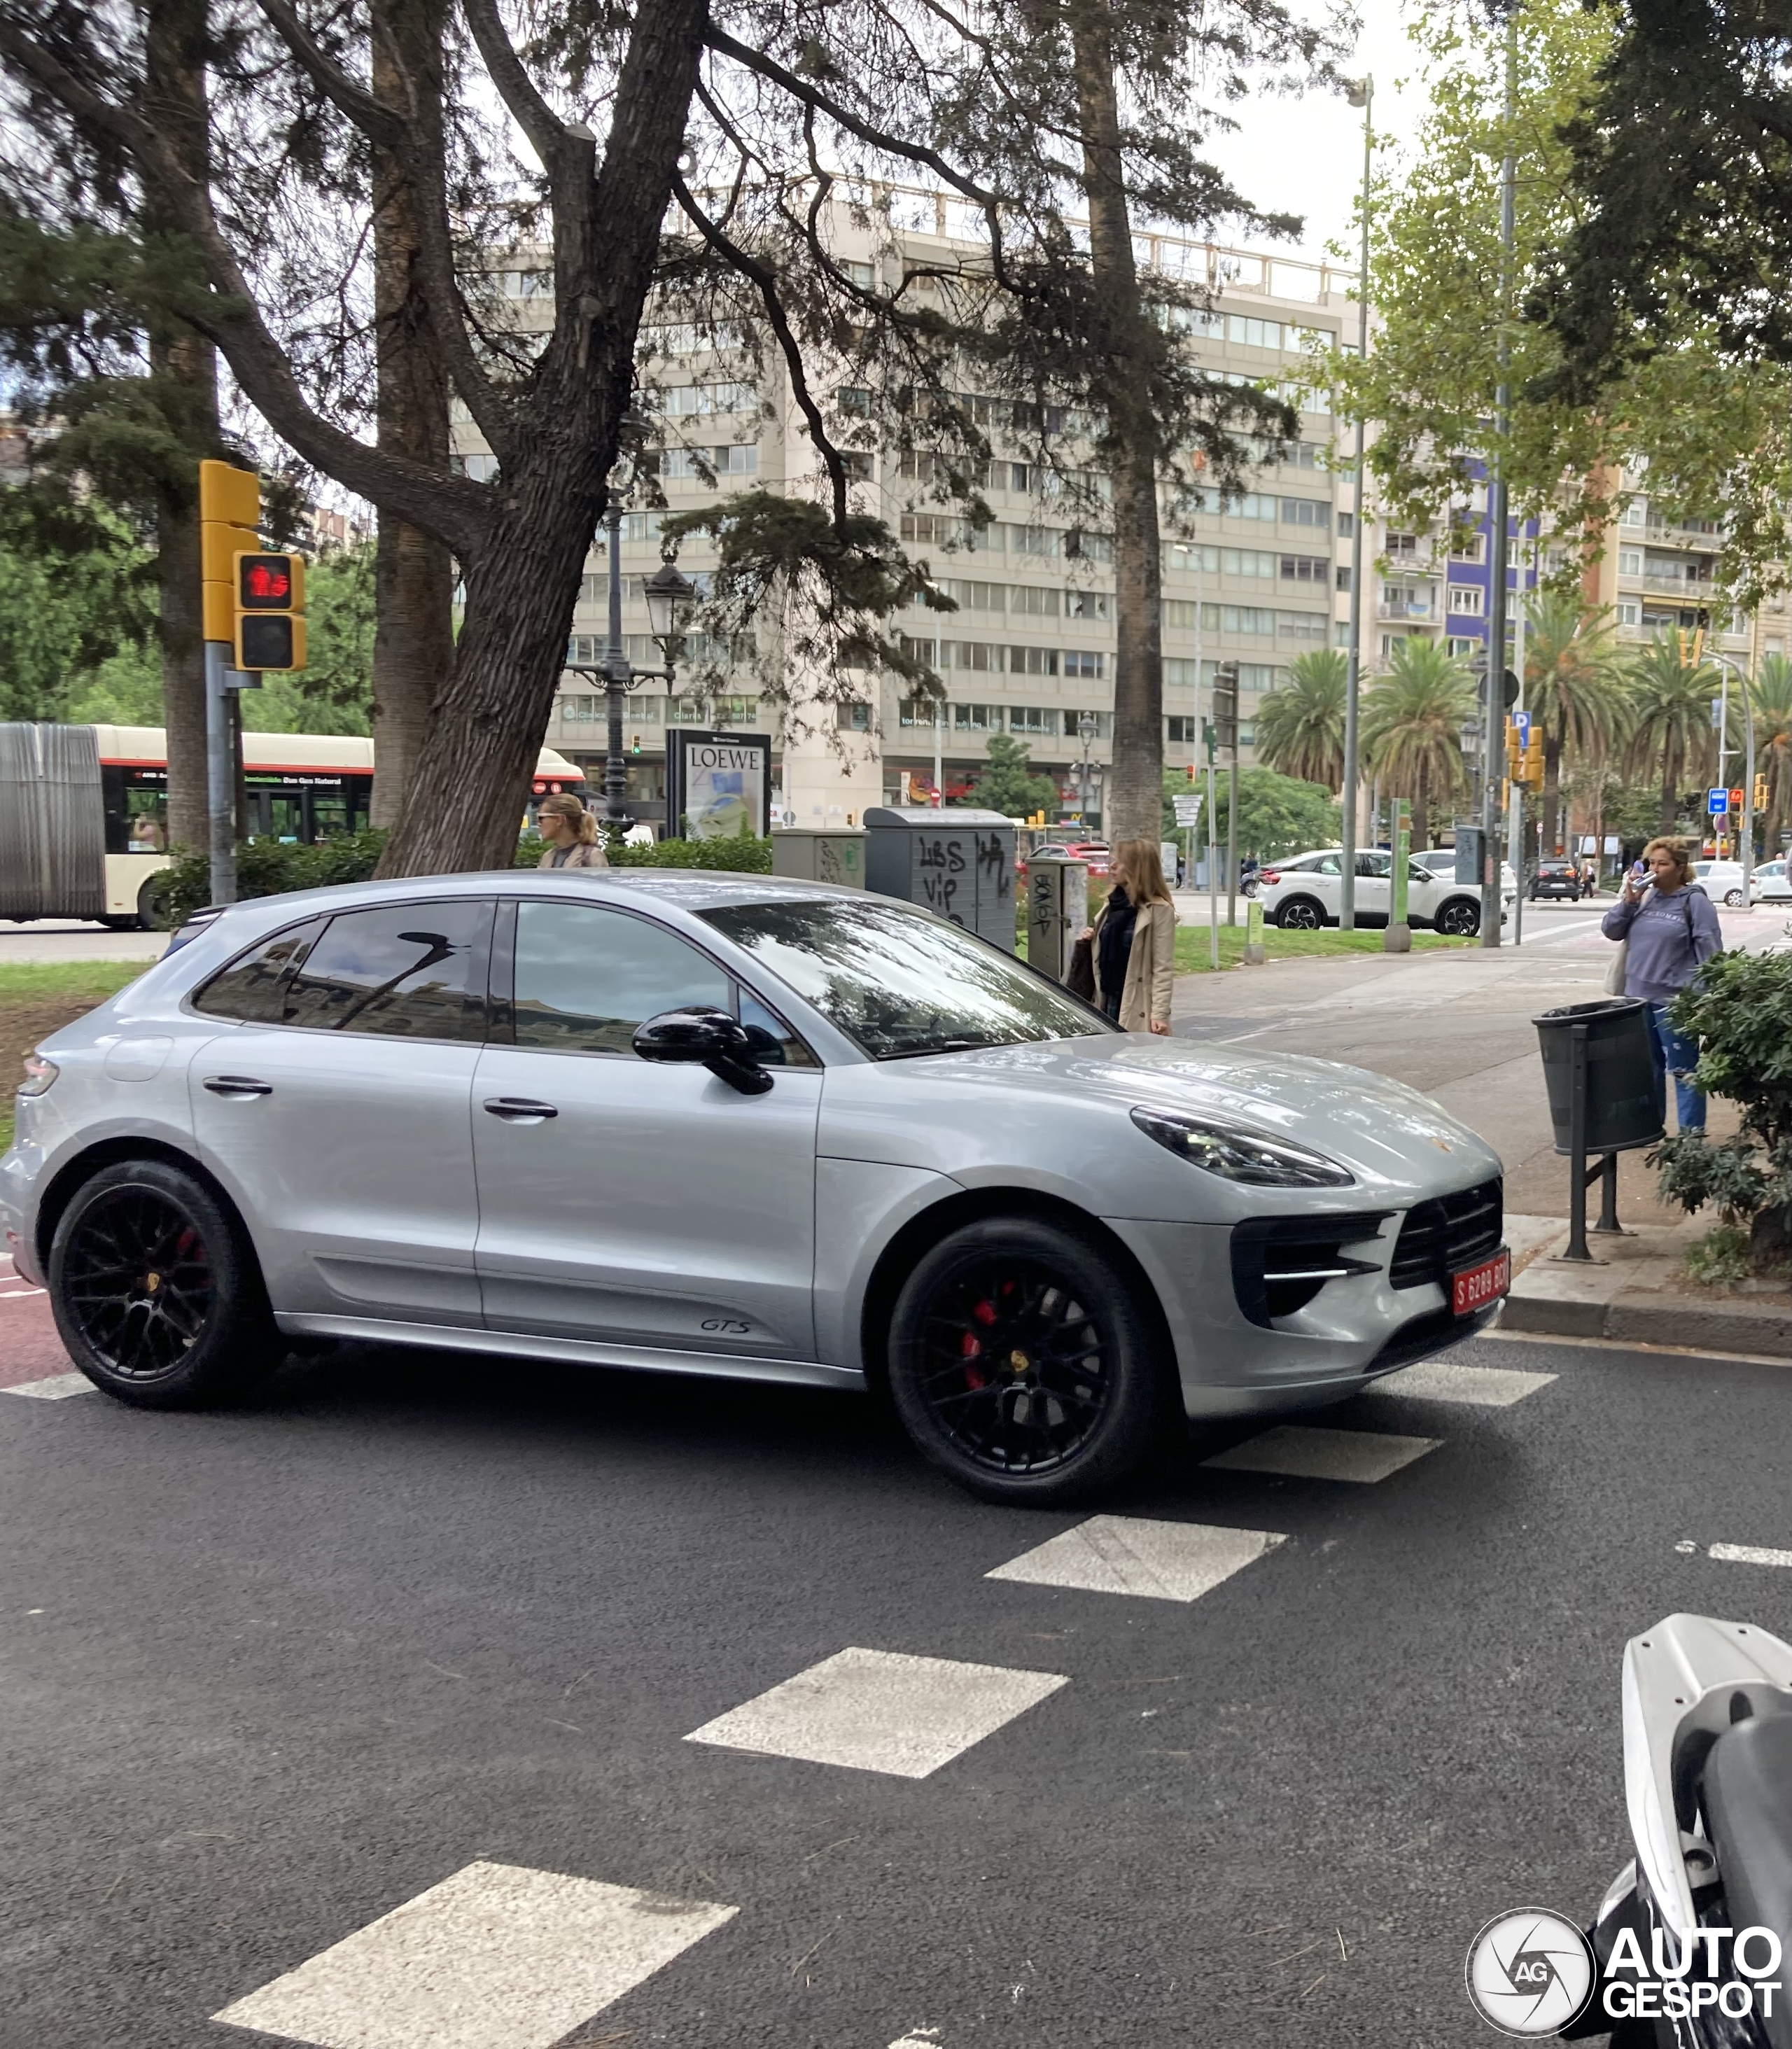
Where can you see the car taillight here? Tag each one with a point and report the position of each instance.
(1271, 875)
(39, 1074)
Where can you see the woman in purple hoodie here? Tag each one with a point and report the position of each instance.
(1672, 930)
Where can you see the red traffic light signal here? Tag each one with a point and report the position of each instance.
(265, 583)
(1736, 797)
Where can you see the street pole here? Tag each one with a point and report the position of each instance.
(1494, 712)
(1515, 808)
(939, 762)
(1362, 94)
(1726, 662)
(1232, 832)
(220, 776)
(617, 676)
(1213, 859)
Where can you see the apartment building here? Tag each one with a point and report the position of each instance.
(1029, 650)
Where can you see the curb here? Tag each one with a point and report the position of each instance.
(1762, 1329)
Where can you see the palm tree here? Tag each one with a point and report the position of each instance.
(1669, 712)
(1300, 725)
(1772, 699)
(1574, 688)
(1411, 726)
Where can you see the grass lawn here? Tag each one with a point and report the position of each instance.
(1193, 951)
(38, 997)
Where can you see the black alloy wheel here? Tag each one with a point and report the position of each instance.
(1459, 919)
(1019, 1365)
(155, 1291)
(1300, 914)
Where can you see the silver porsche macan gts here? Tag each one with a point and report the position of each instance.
(717, 1124)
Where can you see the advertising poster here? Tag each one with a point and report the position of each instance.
(719, 783)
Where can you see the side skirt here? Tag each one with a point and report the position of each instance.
(577, 1351)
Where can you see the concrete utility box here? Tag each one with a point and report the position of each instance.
(819, 856)
(956, 862)
(1057, 911)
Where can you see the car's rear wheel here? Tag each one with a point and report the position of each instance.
(1021, 1366)
(1300, 914)
(1460, 918)
(1733, 898)
(156, 1292)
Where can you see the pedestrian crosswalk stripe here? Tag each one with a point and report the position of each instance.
(1301, 1452)
(1122, 1554)
(880, 1710)
(497, 1957)
(1475, 1386)
(57, 1387)
(1749, 1554)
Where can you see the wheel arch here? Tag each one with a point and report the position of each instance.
(107, 1153)
(1304, 898)
(921, 1232)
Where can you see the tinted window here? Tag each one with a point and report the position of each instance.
(586, 976)
(900, 983)
(253, 988)
(405, 971)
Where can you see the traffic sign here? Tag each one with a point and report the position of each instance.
(1521, 725)
(1187, 809)
(1717, 802)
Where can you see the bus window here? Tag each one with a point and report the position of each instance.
(286, 816)
(146, 814)
(329, 815)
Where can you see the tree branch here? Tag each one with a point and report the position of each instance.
(545, 130)
(452, 509)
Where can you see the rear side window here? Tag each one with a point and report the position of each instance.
(253, 989)
(401, 970)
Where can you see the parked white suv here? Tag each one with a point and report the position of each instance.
(1721, 880)
(1302, 895)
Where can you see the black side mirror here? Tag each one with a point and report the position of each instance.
(708, 1036)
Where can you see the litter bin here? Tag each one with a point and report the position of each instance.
(1620, 1084)
(1600, 1077)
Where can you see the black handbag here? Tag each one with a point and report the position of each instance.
(1079, 977)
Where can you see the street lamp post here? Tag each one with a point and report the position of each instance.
(1362, 94)
(1728, 662)
(1499, 550)
(1086, 729)
(669, 594)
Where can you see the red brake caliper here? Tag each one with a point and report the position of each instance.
(970, 1346)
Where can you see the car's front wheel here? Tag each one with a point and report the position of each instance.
(1460, 918)
(1022, 1366)
(1300, 914)
(1733, 899)
(156, 1292)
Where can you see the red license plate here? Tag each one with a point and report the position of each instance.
(1476, 1286)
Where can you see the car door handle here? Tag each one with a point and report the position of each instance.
(237, 1085)
(519, 1109)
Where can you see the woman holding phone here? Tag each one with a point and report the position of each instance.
(1673, 932)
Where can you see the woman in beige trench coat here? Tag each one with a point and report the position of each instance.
(1135, 941)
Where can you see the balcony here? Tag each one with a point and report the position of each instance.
(1419, 609)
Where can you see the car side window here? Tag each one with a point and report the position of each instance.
(252, 989)
(1328, 866)
(585, 977)
(400, 970)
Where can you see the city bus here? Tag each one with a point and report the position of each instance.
(83, 810)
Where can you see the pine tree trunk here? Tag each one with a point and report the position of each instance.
(1421, 813)
(1134, 804)
(1552, 789)
(1670, 780)
(413, 574)
(175, 73)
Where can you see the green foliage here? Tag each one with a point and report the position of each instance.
(1010, 784)
(1721, 1256)
(1277, 814)
(1300, 724)
(1670, 719)
(1737, 1010)
(744, 856)
(1411, 726)
(74, 597)
(271, 868)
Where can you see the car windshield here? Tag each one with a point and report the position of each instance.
(900, 982)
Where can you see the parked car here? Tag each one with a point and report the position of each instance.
(1442, 862)
(725, 1125)
(1771, 884)
(1304, 894)
(1555, 878)
(1721, 881)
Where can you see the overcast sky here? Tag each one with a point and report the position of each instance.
(1304, 156)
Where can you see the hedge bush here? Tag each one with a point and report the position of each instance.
(271, 868)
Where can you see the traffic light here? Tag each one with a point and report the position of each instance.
(1760, 793)
(230, 511)
(1532, 777)
(1692, 645)
(1514, 753)
(269, 623)
(1226, 706)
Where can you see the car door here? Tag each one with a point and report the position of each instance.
(1374, 887)
(636, 1203)
(337, 1107)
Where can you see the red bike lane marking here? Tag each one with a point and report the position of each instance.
(29, 1347)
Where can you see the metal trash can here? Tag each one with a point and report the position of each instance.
(1620, 1073)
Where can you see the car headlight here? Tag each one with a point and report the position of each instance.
(1237, 1154)
(39, 1073)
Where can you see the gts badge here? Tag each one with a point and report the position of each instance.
(727, 1327)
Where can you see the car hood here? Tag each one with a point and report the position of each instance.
(1385, 1133)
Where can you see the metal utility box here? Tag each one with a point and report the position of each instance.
(1057, 911)
(956, 862)
(1470, 850)
(819, 856)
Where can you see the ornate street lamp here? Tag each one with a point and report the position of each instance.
(1086, 730)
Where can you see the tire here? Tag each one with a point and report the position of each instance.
(1460, 917)
(1054, 1429)
(1732, 899)
(156, 1291)
(1301, 914)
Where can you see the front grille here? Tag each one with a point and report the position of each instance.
(1441, 1237)
(1279, 1264)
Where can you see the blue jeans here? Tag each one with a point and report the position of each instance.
(1672, 1052)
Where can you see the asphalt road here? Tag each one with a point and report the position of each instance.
(267, 1675)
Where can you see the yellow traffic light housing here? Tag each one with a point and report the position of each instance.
(230, 511)
(268, 627)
